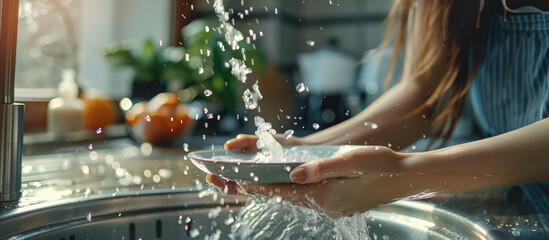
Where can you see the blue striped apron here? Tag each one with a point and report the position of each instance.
(511, 89)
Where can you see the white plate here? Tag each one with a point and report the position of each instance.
(237, 165)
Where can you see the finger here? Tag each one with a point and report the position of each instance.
(322, 169)
(346, 165)
(223, 185)
(242, 141)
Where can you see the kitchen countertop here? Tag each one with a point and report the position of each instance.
(80, 170)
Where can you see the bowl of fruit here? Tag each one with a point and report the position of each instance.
(162, 120)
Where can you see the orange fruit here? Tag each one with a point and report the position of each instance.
(184, 118)
(166, 102)
(99, 111)
(161, 120)
(139, 110)
(151, 128)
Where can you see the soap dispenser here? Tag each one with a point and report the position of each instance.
(65, 112)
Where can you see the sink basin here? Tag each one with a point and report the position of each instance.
(159, 214)
(187, 214)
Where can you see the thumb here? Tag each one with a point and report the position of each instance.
(322, 169)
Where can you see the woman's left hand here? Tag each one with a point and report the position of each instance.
(352, 182)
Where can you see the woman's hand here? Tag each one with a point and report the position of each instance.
(352, 182)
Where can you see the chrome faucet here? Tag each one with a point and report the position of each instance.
(11, 113)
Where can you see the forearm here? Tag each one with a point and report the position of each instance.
(513, 158)
(389, 112)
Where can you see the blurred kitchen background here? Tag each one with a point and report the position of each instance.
(304, 55)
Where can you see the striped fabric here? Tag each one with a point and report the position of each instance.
(511, 89)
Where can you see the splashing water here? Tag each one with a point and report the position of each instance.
(239, 69)
(272, 218)
(371, 125)
(208, 92)
(263, 218)
(289, 133)
(251, 98)
(270, 148)
(300, 87)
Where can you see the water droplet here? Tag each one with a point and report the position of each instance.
(371, 125)
(236, 169)
(300, 87)
(186, 147)
(207, 92)
(278, 199)
(316, 126)
(146, 149)
(256, 178)
(89, 217)
(90, 147)
(310, 43)
(229, 220)
(376, 148)
(288, 168)
(156, 178)
(200, 70)
(86, 169)
(148, 118)
(194, 233)
(289, 133)
(99, 130)
(126, 104)
(205, 110)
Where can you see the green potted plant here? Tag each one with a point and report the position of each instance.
(199, 66)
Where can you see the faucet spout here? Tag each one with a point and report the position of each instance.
(11, 118)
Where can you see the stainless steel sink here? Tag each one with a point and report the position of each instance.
(189, 214)
(165, 214)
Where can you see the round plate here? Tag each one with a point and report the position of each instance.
(237, 164)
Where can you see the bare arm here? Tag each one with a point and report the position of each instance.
(513, 158)
(330, 185)
(388, 113)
